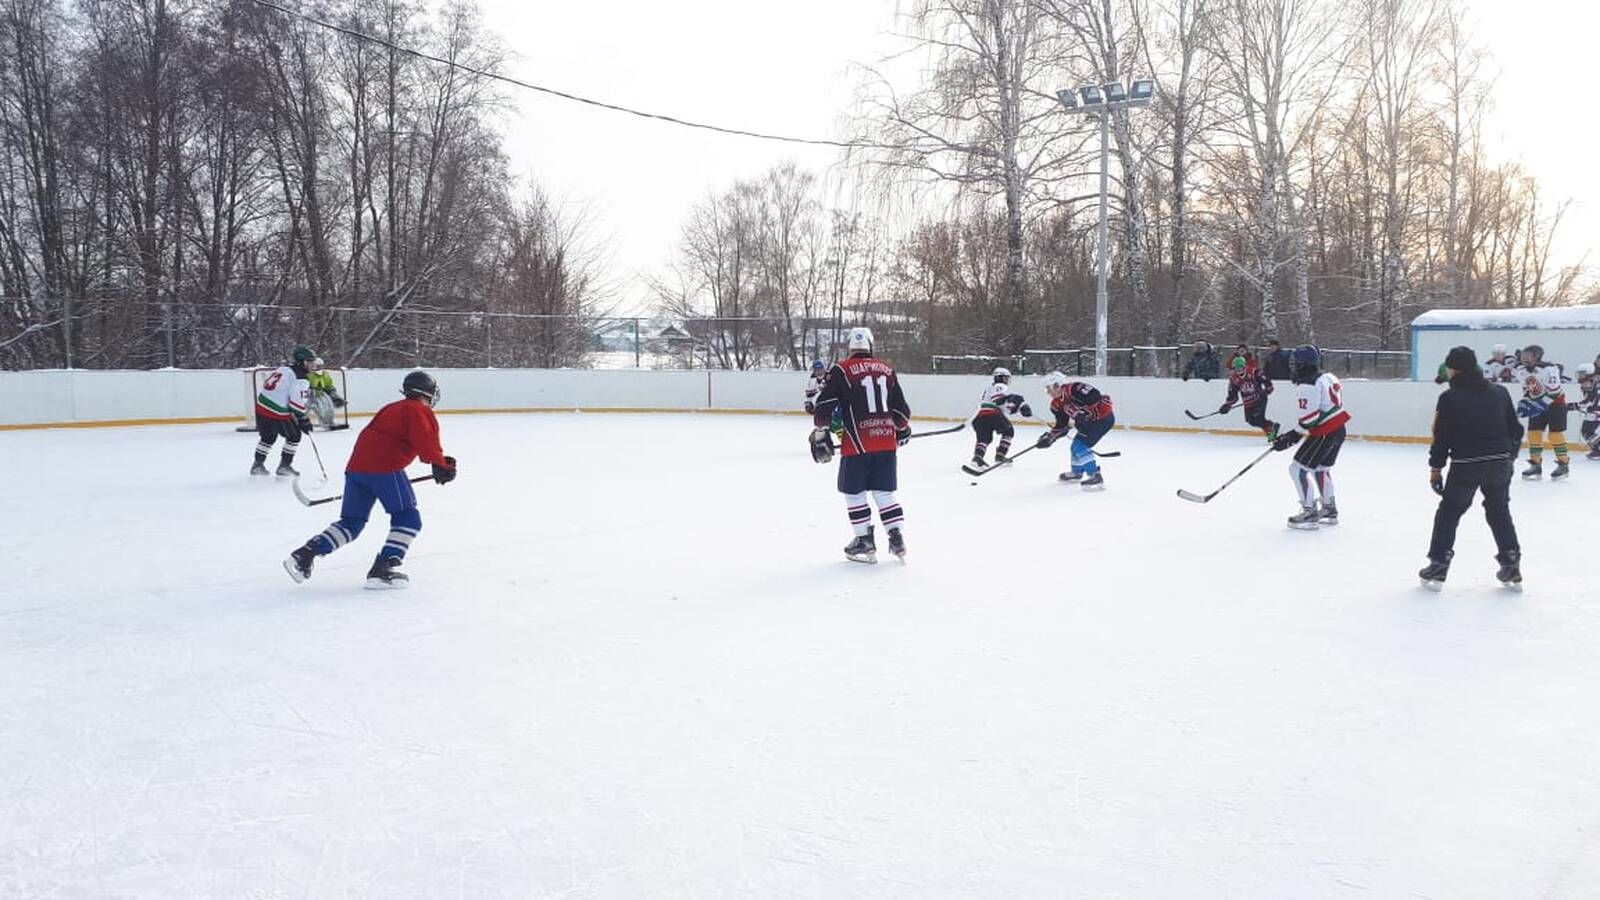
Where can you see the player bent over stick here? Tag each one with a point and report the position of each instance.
(993, 417)
(1078, 404)
(864, 395)
(403, 431)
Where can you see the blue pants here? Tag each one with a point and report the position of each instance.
(1083, 439)
(361, 490)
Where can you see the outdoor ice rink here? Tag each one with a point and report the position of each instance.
(634, 663)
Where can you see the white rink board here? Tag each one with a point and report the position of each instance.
(1379, 408)
(633, 663)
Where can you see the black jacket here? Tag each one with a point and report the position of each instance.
(1474, 421)
(1276, 365)
(1204, 365)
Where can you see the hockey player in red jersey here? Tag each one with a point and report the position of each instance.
(1079, 405)
(401, 432)
(863, 394)
(1250, 386)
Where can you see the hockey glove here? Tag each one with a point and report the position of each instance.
(1026, 410)
(902, 435)
(811, 408)
(821, 445)
(1436, 481)
(303, 423)
(1046, 439)
(1224, 409)
(446, 473)
(338, 401)
(1286, 440)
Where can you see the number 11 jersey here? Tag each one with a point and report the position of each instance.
(864, 394)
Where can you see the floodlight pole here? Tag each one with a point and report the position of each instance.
(1100, 276)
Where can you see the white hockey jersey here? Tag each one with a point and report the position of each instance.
(1542, 381)
(283, 395)
(1501, 370)
(998, 397)
(814, 386)
(1320, 405)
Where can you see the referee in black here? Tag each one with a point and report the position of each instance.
(1475, 426)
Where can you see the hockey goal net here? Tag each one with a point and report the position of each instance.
(324, 415)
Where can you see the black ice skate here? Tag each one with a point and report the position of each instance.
(1510, 573)
(1593, 454)
(287, 471)
(1095, 482)
(1329, 514)
(1533, 472)
(1070, 477)
(863, 549)
(1559, 472)
(299, 563)
(897, 544)
(259, 469)
(385, 575)
(1434, 574)
(1305, 519)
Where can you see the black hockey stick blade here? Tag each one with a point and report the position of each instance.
(1198, 418)
(301, 495)
(1109, 454)
(975, 472)
(951, 430)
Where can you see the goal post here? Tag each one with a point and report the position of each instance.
(338, 419)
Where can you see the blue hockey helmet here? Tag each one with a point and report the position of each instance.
(1304, 359)
(818, 365)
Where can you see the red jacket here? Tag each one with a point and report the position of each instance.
(401, 432)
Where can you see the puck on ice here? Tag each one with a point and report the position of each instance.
(973, 483)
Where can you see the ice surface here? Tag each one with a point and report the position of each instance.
(633, 662)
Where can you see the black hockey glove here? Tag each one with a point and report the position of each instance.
(338, 401)
(821, 445)
(1026, 410)
(1286, 440)
(1436, 481)
(1224, 409)
(1046, 439)
(446, 473)
(810, 407)
(902, 435)
(303, 423)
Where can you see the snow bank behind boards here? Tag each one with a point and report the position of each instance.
(1381, 409)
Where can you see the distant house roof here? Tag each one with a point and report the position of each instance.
(1555, 317)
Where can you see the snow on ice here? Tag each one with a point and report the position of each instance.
(633, 662)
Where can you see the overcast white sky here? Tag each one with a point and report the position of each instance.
(787, 67)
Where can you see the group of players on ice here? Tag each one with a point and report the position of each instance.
(859, 400)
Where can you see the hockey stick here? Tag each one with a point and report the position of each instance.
(951, 430)
(301, 495)
(1109, 454)
(1196, 498)
(1206, 416)
(978, 473)
(318, 454)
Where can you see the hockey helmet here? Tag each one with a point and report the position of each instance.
(302, 356)
(1240, 363)
(421, 385)
(860, 340)
(1304, 361)
(1534, 350)
(1002, 375)
(1586, 370)
(818, 365)
(1054, 380)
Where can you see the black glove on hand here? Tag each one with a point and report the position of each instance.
(903, 434)
(338, 401)
(1223, 409)
(1026, 410)
(303, 423)
(821, 445)
(1286, 440)
(1046, 439)
(1436, 481)
(446, 473)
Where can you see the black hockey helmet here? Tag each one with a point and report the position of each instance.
(421, 385)
(1304, 361)
(301, 357)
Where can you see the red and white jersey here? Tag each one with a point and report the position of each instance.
(283, 395)
(1320, 405)
(814, 387)
(1541, 380)
(1500, 370)
(865, 395)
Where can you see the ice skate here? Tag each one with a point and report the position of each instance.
(1070, 477)
(1533, 472)
(1510, 573)
(1593, 454)
(286, 471)
(863, 549)
(1305, 519)
(385, 575)
(1000, 459)
(1434, 574)
(1329, 514)
(1559, 472)
(259, 469)
(1095, 482)
(897, 544)
(299, 563)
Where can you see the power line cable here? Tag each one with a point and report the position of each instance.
(660, 117)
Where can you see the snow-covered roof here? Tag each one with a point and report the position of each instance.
(1490, 319)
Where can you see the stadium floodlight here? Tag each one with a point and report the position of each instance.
(1098, 100)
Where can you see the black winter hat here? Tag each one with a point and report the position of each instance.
(1462, 359)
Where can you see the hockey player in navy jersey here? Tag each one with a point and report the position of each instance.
(863, 395)
(1079, 408)
(1248, 385)
(999, 403)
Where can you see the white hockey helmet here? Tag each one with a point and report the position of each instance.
(1499, 349)
(1054, 379)
(1587, 369)
(860, 339)
(1002, 374)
